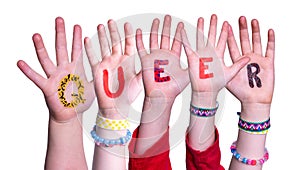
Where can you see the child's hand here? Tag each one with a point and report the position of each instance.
(66, 88)
(162, 75)
(116, 82)
(207, 70)
(255, 82)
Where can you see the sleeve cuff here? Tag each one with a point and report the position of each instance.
(156, 157)
(205, 160)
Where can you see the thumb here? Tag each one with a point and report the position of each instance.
(236, 67)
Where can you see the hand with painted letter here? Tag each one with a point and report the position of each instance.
(163, 80)
(116, 82)
(66, 88)
(117, 85)
(162, 75)
(67, 93)
(254, 84)
(207, 70)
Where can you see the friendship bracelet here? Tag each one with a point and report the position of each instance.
(111, 124)
(254, 127)
(203, 112)
(248, 161)
(110, 142)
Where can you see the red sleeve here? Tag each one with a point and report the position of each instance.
(155, 158)
(204, 160)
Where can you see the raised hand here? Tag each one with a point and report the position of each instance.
(116, 82)
(207, 70)
(253, 86)
(162, 75)
(66, 88)
(254, 83)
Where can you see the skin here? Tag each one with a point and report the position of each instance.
(159, 96)
(116, 107)
(201, 132)
(64, 122)
(255, 102)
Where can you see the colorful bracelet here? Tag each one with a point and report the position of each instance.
(247, 161)
(111, 124)
(203, 112)
(254, 127)
(110, 142)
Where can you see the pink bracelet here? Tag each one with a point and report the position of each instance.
(247, 161)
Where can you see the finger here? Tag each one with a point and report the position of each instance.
(103, 41)
(232, 45)
(270, 52)
(61, 42)
(200, 34)
(222, 39)
(212, 31)
(256, 41)
(176, 46)
(42, 55)
(129, 40)
(236, 67)
(31, 74)
(140, 44)
(165, 37)
(244, 36)
(154, 35)
(186, 44)
(77, 44)
(115, 37)
(135, 87)
(90, 52)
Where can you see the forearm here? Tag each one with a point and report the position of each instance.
(251, 145)
(65, 145)
(154, 122)
(201, 130)
(111, 157)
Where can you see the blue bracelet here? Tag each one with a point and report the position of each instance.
(110, 142)
(203, 112)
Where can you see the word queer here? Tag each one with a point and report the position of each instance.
(252, 75)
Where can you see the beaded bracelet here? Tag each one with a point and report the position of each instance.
(254, 127)
(110, 142)
(111, 124)
(248, 161)
(203, 112)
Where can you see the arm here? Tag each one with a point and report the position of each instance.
(116, 86)
(65, 146)
(208, 74)
(163, 80)
(255, 91)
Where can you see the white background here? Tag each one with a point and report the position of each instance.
(24, 115)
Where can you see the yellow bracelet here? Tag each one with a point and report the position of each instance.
(112, 124)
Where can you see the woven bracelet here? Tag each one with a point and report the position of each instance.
(203, 112)
(254, 127)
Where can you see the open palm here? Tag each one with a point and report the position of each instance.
(171, 79)
(77, 100)
(116, 82)
(260, 91)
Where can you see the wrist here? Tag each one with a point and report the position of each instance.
(65, 117)
(255, 112)
(204, 99)
(114, 113)
(156, 109)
